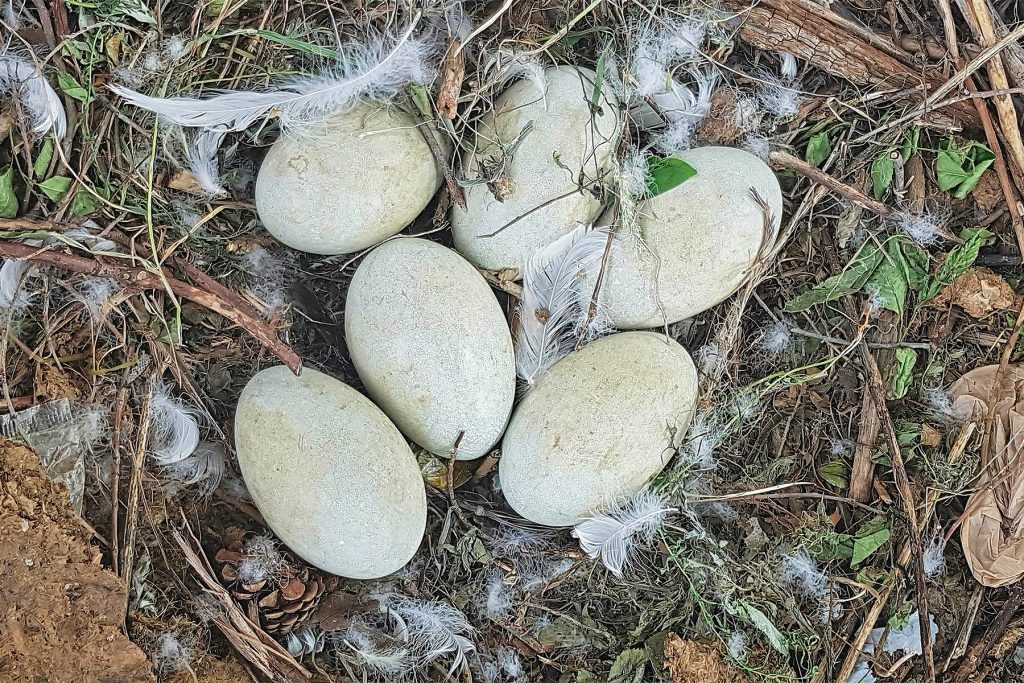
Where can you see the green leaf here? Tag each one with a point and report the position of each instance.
(626, 665)
(42, 163)
(818, 149)
(911, 144)
(902, 374)
(917, 266)
(667, 173)
(881, 174)
(835, 472)
(72, 88)
(960, 168)
(599, 69)
(958, 260)
(8, 200)
(762, 623)
(56, 187)
(656, 650)
(866, 546)
(84, 203)
(891, 280)
(851, 280)
(422, 99)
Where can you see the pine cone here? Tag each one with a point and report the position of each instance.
(282, 599)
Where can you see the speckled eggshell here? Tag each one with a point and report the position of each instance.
(432, 346)
(703, 236)
(597, 426)
(332, 476)
(565, 138)
(362, 179)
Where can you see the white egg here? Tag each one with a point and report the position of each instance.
(361, 179)
(700, 240)
(432, 346)
(538, 148)
(332, 476)
(597, 426)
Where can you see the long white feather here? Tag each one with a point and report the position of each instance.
(554, 282)
(203, 163)
(613, 536)
(377, 69)
(40, 101)
(393, 661)
(175, 427)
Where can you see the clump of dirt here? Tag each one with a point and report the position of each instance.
(688, 661)
(60, 610)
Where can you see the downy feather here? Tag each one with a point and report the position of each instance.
(203, 163)
(175, 427)
(554, 282)
(94, 292)
(377, 69)
(12, 277)
(380, 660)
(614, 535)
(39, 100)
(433, 629)
(528, 69)
(203, 469)
(305, 641)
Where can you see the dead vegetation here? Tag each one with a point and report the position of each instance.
(821, 493)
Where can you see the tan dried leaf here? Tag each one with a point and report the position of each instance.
(980, 292)
(992, 534)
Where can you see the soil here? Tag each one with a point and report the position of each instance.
(61, 612)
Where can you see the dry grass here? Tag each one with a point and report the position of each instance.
(717, 570)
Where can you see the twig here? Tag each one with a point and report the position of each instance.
(451, 480)
(997, 76)
(977, 652)
(136, 279)
(540, 206)
(876, 386)
(115, 487)
(251, 642)
(817, 175)
(454, 191)
(873, 345)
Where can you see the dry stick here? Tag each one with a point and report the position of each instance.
(997, 76)
(817, 175)
(115, 488)
(454, 191)
(934, 100)
(137, 279)
(876, 386)
(451, 480)
(534, 209)
(134, 494)
(979, 650)
(251, 642)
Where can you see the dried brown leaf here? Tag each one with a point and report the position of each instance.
(992, 533)
(980, 292)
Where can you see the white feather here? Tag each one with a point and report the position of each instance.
(555, 281)
(305, 641)
(434, 629)
(203, 163)
(393, 661)
(203, 469)
(175, 427)
(777, 96)
(377, 69)
(40, 101)
(789, 67)
(613, 535)
(529, 69)
(83, 238)
(10, 15)
(94, 292)
(12, 278)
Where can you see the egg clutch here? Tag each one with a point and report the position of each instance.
(331, 469)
